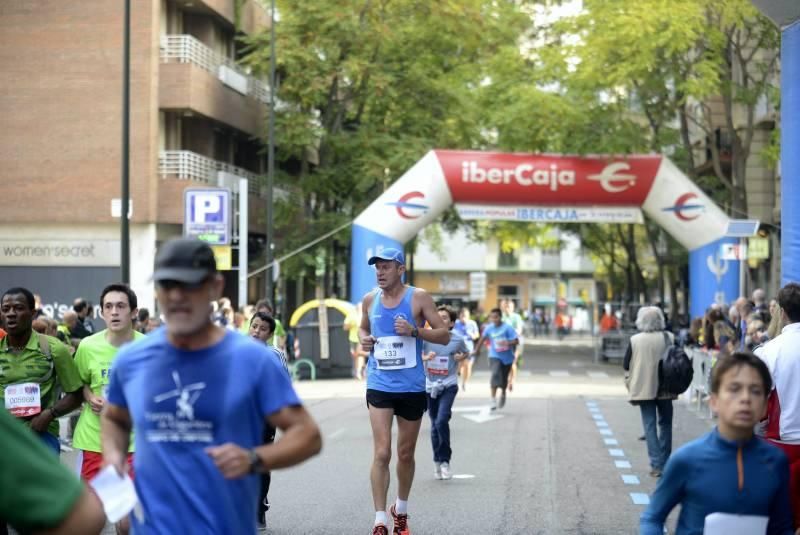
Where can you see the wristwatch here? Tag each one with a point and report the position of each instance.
(256, 464)
(415, 332)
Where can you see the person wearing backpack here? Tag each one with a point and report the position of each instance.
(641, 363)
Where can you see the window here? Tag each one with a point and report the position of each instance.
(507, 260)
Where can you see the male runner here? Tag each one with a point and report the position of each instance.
(262, 327)
(513, 318)
(441, 384)
(93, 358)
(392, 315)
(199, 397)
(468, 328)
(503, 339)
(33, 365)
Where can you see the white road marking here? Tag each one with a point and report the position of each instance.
(611, 441)
(616, 452)
(640, 498)
(606, 432)
(464, 476)
(622, 464)
(559, 373)
(336, 433)
(630, 479)
(597, 375)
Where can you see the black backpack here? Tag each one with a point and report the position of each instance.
(675, 370)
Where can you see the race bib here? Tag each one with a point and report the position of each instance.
(23, 400)
(501, 344)
(395, 352)
(728, 524)
(438, 365)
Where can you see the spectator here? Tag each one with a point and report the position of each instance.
(38, 311)
(641, 362)
(695, 332)
(777, 323)
(142, 318)
(279, 337)
(782, 357)
(760, 307)
(84, 327)
(608, 322)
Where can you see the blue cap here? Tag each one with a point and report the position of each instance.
(390, 253)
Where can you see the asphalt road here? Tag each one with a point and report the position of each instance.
(543, 467)
(546, 465)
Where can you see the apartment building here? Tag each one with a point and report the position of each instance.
(196, 119)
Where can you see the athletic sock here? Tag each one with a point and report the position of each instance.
(381, 518)
(401, 507)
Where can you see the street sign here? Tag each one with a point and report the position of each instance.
(733, 251)
(758, 248)
(224, 257)
(206, 215)
(477, 286)
(742, 228)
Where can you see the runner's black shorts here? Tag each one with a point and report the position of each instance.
(407, 405)
(500, 373)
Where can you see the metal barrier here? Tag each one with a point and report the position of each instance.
(702, 364)
(613, 345)
(312, 369)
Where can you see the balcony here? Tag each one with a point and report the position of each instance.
(194, 77)
(252, 16)
(188, 165)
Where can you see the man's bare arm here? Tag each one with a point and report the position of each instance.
(438, 333)
(364, 330)
(86, 516)
(115, 431)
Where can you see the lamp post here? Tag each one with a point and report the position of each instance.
(125, 260)
(270, 151)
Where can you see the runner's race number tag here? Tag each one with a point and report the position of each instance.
(395, 352)
(438, 365)
(23, 400)
(501, 345)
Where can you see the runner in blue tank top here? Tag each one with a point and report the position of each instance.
(390, 332)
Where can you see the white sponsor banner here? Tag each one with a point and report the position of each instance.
(551, 214)
(59, 252)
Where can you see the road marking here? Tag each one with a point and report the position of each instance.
(484, 414)
(591, 404)
(336, 433)
(622, 464)
(464, 476)
(640, 498)
(630, 479)
(476, 408)
(598, 417)
(611, 441)
(616, 452)
(606, 432)
(559, 373)
(594, 410)
(602, 423)
(597, 375)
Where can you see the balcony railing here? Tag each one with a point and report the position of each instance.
(188, 165)
(189, 49)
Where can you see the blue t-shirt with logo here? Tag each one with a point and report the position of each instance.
(499, 338)
(182, 402)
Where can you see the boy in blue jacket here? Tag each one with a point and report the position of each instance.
(728, 478)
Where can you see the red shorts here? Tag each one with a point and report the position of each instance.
(92, 462)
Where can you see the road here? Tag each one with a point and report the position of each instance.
(545, 464)
(548, 465)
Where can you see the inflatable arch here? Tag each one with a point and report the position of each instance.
(539, 187)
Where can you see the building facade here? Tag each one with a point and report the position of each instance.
(195, 121)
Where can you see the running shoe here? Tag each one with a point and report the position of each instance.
(437, 470)
(445, 470)
(400, 523)
(380, 529)
(493, 406)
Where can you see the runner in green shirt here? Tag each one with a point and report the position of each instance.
(31, 367)
(278, 339)
(45, 494)
(94, 358)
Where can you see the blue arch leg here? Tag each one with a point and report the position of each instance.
(790, 156)
(711, 279)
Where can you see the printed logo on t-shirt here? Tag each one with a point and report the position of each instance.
(179, 425)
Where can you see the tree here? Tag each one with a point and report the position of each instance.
(366, 88)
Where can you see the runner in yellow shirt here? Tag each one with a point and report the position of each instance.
(94, 358)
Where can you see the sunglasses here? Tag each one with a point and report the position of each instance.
(168, 284)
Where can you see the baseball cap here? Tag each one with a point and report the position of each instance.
(390, 253)
(186, 260)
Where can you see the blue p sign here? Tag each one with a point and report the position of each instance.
(207, 215)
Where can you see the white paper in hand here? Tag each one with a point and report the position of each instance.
(116, 492)
(727, 524)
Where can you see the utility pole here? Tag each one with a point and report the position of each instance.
(125, 251)
(270, 152)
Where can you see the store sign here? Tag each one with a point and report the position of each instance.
(59, 252)
(477, 286)
(551, 214)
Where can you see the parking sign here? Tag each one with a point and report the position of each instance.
(206, 215)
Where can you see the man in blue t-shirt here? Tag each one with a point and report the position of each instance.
(502, 341)
(199, 397)
(728, 480)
